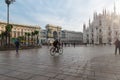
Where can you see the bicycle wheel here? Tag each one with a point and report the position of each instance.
(61, 51)
(52, 52)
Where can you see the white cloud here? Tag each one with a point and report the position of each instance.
(70, 14)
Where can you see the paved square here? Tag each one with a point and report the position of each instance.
(80, 63)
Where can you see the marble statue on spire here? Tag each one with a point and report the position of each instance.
(114, 8)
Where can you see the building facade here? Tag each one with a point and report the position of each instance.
(43, 36)
(104, 29)
(71, 37)
(19, 30)
(53, 32)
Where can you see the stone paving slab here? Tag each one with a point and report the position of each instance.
(20, 75)
(40, 78)
(80, 63)
(7, 78)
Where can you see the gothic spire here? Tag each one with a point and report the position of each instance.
(114, 8)
(84, 27)
(89, 21)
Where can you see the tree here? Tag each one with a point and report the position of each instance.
(36, 33)
(25, 37)
(32, 35)
(28, 34)
(2, 37)
(21, 38)
(8, 32)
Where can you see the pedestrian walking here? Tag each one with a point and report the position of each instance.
(65, 44)
(74, 45)
(117, 46)
(17, 44)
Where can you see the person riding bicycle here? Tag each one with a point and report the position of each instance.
(56, 44)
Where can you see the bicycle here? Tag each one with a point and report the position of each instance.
(53, 51)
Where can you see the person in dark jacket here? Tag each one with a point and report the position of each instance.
(117, 46)
(17, 44)
(56, 44)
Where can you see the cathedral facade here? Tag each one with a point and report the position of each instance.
(104, 28)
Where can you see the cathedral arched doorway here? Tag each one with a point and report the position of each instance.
(100, 40)
(109, 41)
(92, 41)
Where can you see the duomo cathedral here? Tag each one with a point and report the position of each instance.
(104, 28)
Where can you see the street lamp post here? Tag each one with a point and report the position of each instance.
(8, 2)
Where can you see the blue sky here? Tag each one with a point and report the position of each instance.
(70, 14)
